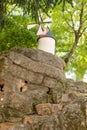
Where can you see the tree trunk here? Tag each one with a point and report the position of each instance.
(72, 49)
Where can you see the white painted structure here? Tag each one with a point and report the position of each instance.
(47, 44)
(46, 40)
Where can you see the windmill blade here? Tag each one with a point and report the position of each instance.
(29, 26)
(48, 20)
(41, 31)
(40, 16)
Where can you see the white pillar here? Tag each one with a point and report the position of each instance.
(47, 44)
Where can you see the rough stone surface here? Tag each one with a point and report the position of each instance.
(35, 94)
(44, 109)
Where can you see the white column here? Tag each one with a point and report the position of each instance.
(47, 44)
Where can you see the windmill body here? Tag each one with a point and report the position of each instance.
(46, 40)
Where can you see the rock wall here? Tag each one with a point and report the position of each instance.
(35, 94)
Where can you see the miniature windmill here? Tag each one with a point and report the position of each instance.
(46, 40)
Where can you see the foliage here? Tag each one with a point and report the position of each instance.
(15, 33)
(30, 7)
(71, 29)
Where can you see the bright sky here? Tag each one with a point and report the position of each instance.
(85, 78)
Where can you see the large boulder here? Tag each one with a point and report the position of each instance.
(35, 94)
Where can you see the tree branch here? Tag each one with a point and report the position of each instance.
(77, 33)
(71, 15)
(80, 20)
(82, 32)
(72, 49)
(72, 27)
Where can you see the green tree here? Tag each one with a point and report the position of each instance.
(31, 7)
(15, 33)
(71, 35)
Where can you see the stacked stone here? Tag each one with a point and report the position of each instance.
(30, 81)
(35, 95)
